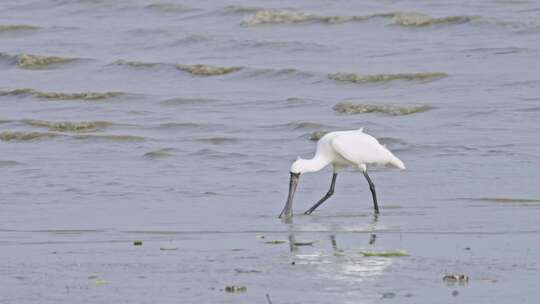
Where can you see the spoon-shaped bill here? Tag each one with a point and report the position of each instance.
(287, 211)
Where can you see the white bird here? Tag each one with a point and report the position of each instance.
(342, 149)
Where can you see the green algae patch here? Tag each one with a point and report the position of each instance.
(385, 254)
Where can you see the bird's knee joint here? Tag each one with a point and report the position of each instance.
(330, 192)
(372, 187)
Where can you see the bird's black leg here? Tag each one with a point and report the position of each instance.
(372, 189)
(325, 197)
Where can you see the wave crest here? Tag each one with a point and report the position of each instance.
(25, 136)
(352, 77)
(158, 154)
(87, 96)
(31, 62)
(421, 20)
(239, 9)
(66, 126)
(207, 70)
(288, 17)
(351, 108)
(169, 8)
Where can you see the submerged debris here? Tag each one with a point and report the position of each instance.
(137, 243)
(456, 278)
(235, 288)
(304, 243)
(168, 248)
(386, 254)
(388, 295)
(274, 242)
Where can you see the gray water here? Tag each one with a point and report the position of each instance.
(115, 135)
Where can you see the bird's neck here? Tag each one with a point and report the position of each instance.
(315, 164)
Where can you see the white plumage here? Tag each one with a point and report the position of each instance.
(342, 149)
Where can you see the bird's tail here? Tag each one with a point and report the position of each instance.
(396, 162)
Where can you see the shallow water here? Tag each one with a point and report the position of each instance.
(175, 123)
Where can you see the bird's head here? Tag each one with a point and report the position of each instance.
(299, 166)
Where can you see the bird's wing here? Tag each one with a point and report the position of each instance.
(359, 148)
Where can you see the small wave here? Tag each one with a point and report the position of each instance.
(218, 140)
(25, 136)
(316, 135)
(505, 200)
(289, 17)
(413, 19)
(88, 96)
(17, 92)
(8, 163)
(498, 51)
(351, 108)
(158, 154)
(215, 154)
(113, 138)
(32, 62)
(170, 8)
(280, 73)
(239, 9)
(136, 64)
(397, 144)
(207, 70)
(179, 125)
(355, 78)
(17, 27)
(67, 126)
(184, 101)
(303, 125)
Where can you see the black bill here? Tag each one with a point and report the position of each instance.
(287, 211)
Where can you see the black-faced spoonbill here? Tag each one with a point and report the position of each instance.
(342, 149)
